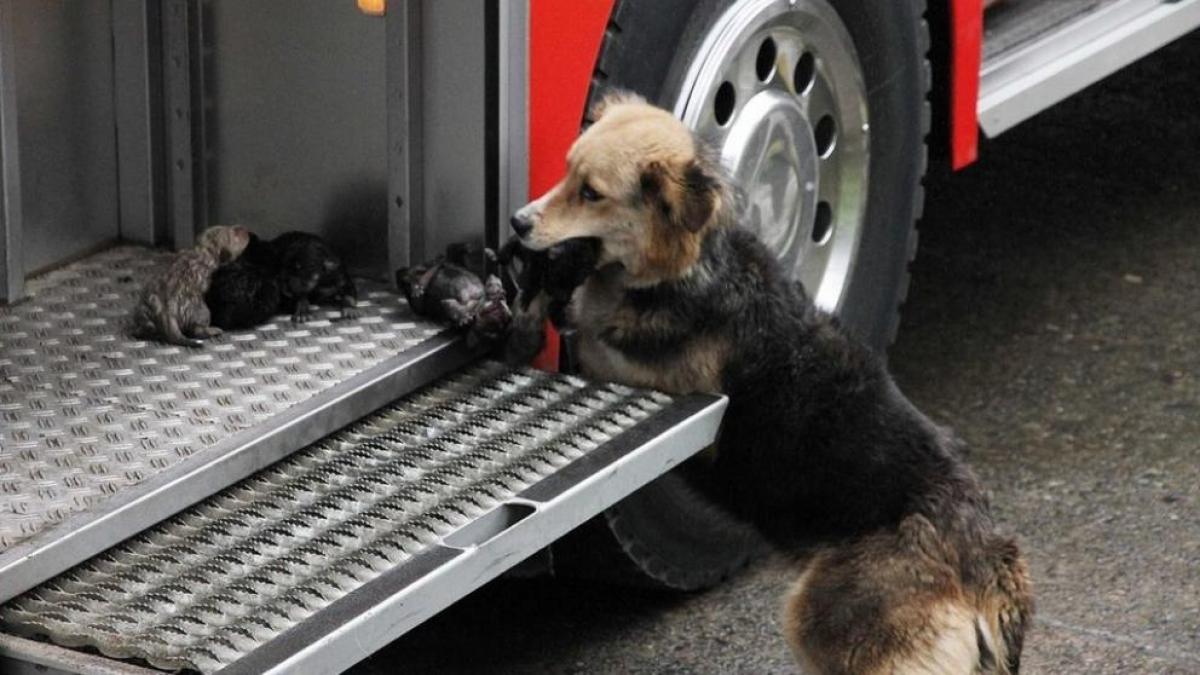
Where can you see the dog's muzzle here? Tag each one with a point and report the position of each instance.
(521, 224)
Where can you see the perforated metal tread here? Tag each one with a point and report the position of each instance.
(454, 483)
(102, 434)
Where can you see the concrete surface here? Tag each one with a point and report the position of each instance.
(1053, 321)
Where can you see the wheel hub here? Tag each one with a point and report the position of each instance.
(772, 153)
(777, 89)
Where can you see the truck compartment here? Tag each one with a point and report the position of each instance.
(103, 434)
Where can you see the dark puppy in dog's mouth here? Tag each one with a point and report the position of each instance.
(910, 574)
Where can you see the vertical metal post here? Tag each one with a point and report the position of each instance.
(12, 263)
(513, 114)
(406, 235)
(135, 24)
(177, 100)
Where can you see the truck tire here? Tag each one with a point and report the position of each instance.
(736, 68)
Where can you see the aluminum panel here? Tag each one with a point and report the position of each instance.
(66, 122)
(454, 124)
(295, 123)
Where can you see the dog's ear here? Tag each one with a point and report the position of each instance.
(611, 98)
(686, 198)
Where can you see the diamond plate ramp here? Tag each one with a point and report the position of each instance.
(314, 562)
(102, 434)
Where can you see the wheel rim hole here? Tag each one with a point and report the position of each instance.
(825, 134)
(823, 223)
(725, 102)
(805, 73)
(764, 65)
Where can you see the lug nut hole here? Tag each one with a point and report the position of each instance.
(805, 73)
(724, 103)
(764, 65)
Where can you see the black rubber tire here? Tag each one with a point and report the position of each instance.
(669, 530)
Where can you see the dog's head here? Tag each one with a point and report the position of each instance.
(638, 182)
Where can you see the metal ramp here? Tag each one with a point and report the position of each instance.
(318, 560)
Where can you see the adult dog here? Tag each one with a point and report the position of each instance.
(902, 568)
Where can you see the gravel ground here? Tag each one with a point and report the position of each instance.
(1053, 322)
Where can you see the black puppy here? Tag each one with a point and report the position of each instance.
(550, 277)
(313, 274)
(288, 274)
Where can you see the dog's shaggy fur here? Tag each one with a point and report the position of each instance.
(172, 304)
(902, 567)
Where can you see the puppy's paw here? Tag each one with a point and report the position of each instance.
(526, 335)
(351, 312)
(302, 316)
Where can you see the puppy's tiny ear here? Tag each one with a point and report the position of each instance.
(612, 98)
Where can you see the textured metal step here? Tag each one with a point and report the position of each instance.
(102, 434)
(314, 562)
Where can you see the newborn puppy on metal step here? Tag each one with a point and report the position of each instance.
(446, 290)
(288, 274)
(172, 304)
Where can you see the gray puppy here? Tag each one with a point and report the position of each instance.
(172, 303)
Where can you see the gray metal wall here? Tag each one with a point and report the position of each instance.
(64, 77)
(283, 114)
(295, 125)
(453, 122)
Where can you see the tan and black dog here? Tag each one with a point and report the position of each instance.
(902, 569)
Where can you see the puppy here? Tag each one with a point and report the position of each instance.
(172, 305)
(547, 277)
(288, 274)
(313, 274)
(248, 291)
(901, 568)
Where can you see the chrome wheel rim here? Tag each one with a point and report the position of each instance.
(777, 90)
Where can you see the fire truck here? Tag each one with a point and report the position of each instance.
(292, 498)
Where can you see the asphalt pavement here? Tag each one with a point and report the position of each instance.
(1054, 322)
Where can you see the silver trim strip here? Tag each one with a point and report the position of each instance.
(19, 655)
(135, 88)
(514, 111)
(406, 234)
(177, 110)
(12, 263)
(1019, 84)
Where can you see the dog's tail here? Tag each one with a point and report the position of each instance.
(897, 603)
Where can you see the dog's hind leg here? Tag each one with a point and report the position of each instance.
(888, 603)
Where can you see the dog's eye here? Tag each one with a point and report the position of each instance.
(588, 194)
